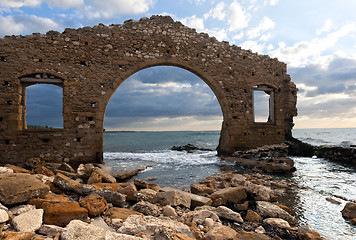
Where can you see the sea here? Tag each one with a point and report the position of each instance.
(316, 178)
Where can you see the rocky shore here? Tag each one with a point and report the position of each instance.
(45, 202)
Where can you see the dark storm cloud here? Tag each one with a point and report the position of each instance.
(163, 92)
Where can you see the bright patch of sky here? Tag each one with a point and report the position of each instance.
(317, 39)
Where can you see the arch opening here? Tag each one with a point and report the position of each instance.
(155, 109)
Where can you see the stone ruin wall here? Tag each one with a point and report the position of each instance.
(90, 63)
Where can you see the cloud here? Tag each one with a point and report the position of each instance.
(36, 3)
(25, 24)
(328, 26)
(194, 22)
(271, 2)
(265, 24)
(234, 14)
(304, 53)
(113, 8)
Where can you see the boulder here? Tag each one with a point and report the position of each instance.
(200, 215)
(147, 195)
(169, 211)
(230, 194)
(78, 230)
(49, 198)
(129, 191)
(140, 183)
(118, 199)
(61, 214)
(349, 210)
(221, 232)
(95, 177)
(84, 170)
(252, 216)
(200, 189)
(95, 205)
(277, 223)
(147, 208)
(308, 233)
(259, 192)
(65, 183)
(86, 189)
(227, 213)
(29, 221)
(174, 197)
(20, 187)
(121, 213)
(270, 210)
(149, 225)
(50, 230)
(106, 177)
(196, 200)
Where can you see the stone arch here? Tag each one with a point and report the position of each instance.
(94, 61)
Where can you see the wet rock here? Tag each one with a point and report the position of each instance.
(230, 194)
(308, 233)
(349, 210)
(20, 187)
(135, 224)
(95, 205)
(174, 197)
(50, 230)
(189, 148)
(227, 213)
(65, 183)
(78, 230)
(200, 189)
(29, 221)
(121, 213)
(169, 211)
(269, 210)
(277, 223)
(241, 207)
(221, 232)
(125, 175)
(147, 208)
(252, 216)
(61, 214)
(8, 235)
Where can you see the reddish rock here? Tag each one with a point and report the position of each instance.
(113, 186)
(95, 177)
(61, 214)
(252, 216)
(95, 205)
(17, 169)
(349, 210)
(49, 198)
(242, 235)
(20, 187)
(221, 232)
(121, 213)
(8, 235)
(44, 171)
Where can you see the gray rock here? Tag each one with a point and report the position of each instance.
(259, 192)
(169, 211)
(199, 216)
(118, 199)
(106, 177)
(269, 210)
(86, 189)
(29, 221)
(227, 213)
(50, 230)
(4, 217)
(22, 209)
(99, 222)
(6, 170)
(277, 223)
(78, 230)
(84, 170)
(20, 187)
(135, 224)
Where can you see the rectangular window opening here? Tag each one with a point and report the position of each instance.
(263, 104)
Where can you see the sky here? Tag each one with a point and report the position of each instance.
(316, 38)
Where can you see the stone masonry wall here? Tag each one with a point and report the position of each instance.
(90, 63)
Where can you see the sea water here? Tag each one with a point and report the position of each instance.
(317, 178)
